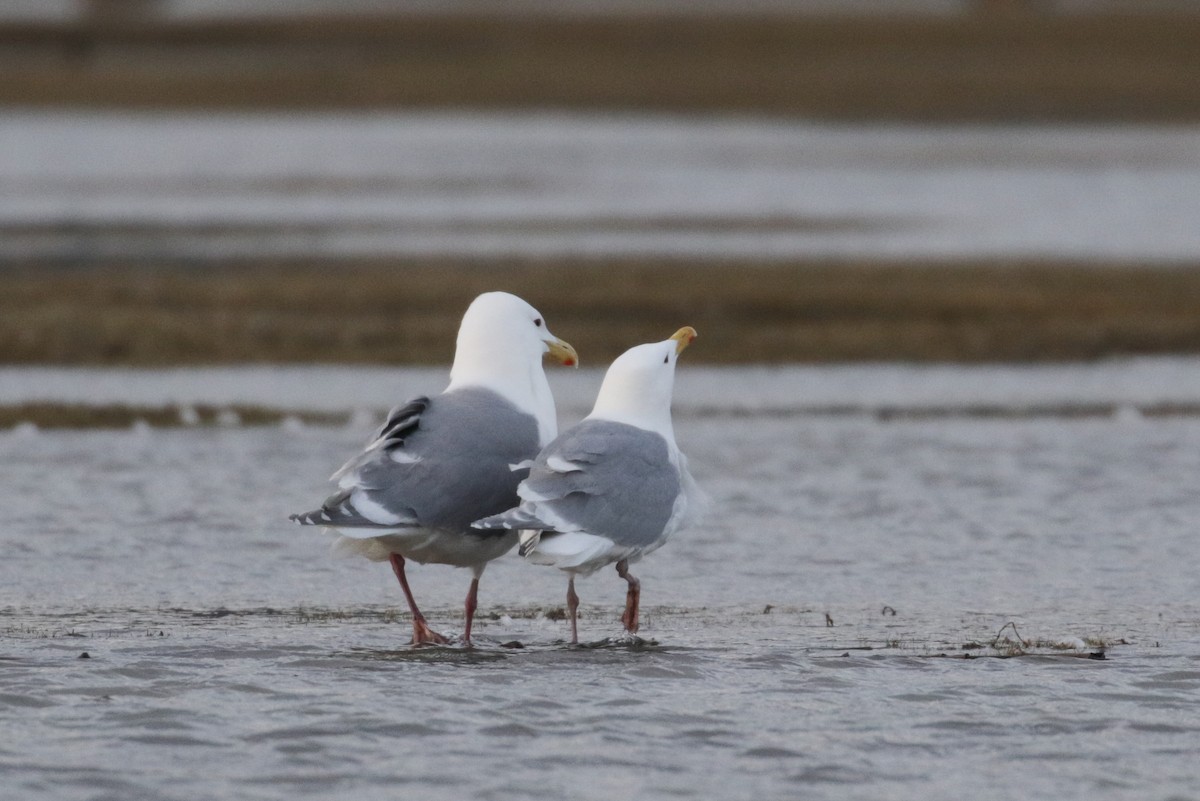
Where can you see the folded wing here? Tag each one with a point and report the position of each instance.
(602, 478)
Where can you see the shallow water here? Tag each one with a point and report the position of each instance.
(80, 187)
(231, 656)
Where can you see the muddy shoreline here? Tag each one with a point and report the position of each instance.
(406, 311)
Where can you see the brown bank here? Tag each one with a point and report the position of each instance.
(1022, 63)
(407, 312)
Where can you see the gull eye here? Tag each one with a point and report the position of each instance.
(665, 359)
(538, 322)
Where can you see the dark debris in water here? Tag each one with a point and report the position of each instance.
(1016, 645)
(527, 613)
(845, 653)
(630, 643)
(428, 654)
(1097, 655)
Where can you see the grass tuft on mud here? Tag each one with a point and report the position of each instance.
(44, 414)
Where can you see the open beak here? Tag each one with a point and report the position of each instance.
(562, 352)
(683, 337)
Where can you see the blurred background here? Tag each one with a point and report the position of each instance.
(944, 260)
(218, 182)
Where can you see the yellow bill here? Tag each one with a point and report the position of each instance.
(562, 352)
(683, 337)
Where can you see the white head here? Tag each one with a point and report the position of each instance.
(638, 386)
(501, 342)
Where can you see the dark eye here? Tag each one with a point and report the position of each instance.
(538, 322)
(665, 359)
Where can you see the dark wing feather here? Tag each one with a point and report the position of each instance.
(401, 422)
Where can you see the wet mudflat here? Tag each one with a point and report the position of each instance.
(836, 629)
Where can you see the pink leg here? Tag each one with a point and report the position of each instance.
(573, 608)
(632, 597)
(472, 602)
(422, 634)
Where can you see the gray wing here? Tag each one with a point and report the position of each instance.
(401, 422)
(604, 478)
(437, 463)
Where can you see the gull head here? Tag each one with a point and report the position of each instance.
(501, 325)
(501, 343)
(638, 386)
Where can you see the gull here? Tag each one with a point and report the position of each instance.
(439, 463)
(614, 487)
